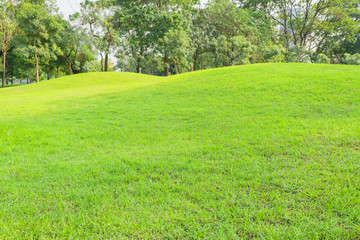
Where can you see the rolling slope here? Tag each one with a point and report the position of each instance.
(261, 151)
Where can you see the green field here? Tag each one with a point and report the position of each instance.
(261, 151)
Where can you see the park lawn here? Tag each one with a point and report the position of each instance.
(8, 86)
(261, 151)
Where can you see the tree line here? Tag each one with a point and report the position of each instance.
(173, 36)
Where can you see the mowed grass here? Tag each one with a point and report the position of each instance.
(263, 151)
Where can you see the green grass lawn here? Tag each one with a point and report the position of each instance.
(262, 151)
(8, 86)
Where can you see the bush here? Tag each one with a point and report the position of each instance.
(299, 54)
(351, 59)
(322, 58)
(275, 53)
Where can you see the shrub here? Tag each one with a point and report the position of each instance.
(275, 53)
(322, 58)
(351, 59)
(299, 54)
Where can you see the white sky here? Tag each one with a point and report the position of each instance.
(68, 7)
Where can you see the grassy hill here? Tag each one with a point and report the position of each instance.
(262, 151)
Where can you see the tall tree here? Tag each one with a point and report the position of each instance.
(174, 47)
(232, 51)
(99, 17)
(8, 30)
(70, 42)
(22, 63)
(40, 29)
(146, 22)
(201, 33)
(307, 23)
(350, 45)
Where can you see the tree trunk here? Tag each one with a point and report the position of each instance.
(4, 70)
(37, 67)
(196, 57)
(138, 68)
(102, 62)
(69, 67)
(20, 80)
(286, 31)
(106, 62)
(57, 72)
(27, 80)
(176, 68)
(166, 69)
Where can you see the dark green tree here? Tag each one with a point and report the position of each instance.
(40, 29)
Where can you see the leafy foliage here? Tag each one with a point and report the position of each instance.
(352, 59)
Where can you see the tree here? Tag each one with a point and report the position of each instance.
(229, 20)
(125, 63)
(99, 17)
(201, 34)
(70, 42)
(174, 47)
(138, 37)
(233, 34)
(145, 23)
(85, 60)
(8, 30)
(232, 51)
(308, 23)
(350, 45)
(40, 29)
(22, 63)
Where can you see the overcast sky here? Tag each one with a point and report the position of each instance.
(68, 7)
